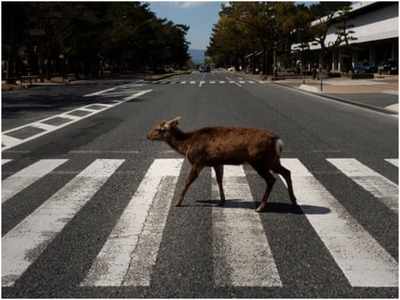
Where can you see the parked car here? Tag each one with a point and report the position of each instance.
(361, 68)
(388, 67)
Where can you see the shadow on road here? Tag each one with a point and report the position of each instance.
(284, 208)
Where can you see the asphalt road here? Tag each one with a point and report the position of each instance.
(87, 208)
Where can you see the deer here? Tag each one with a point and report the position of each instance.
(218, 146)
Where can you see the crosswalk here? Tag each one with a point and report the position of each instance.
(242, 255)
(209, 82)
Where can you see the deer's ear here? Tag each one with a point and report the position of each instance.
(174, 122)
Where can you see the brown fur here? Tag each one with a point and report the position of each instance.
(218, 146)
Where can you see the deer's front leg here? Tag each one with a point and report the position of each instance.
(219, 174)
(194, 173)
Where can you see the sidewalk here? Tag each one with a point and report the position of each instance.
(380, 94)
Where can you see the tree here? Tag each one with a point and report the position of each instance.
(83, 37)
(323, 13)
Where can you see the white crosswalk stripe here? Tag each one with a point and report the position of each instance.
(379, 186)
(24, 178)
(362, 260)
(242, 255)
(124, 266)
(24, 243)
(393, 161)
(4, 161)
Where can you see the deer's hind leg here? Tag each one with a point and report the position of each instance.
(219, 173)
(263, 171)
(286, 175)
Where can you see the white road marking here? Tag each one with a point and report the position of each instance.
(201, 83)
(393, 161)
(86, 109)
(10, 142)
(103, 152)
(192, 82)
(4, 161)
(99, 92)
(242, 81)
(390, 92)
(118, 258)
(134, 96)
(242, 255)
(183, 82)
(24, 243)
(44, 126)
(379, 186)
(234, 82)
(250, 81)
(360, 257)
(221, 82)
(212, 81)
(27, 176)
(145, 255)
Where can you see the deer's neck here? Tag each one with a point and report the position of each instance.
(179, 140)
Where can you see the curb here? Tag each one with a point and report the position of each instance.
(372, 107)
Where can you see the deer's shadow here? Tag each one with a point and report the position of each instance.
(272, 207)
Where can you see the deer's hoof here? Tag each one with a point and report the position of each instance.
(221, 203)
(261, 208)
(178, 205)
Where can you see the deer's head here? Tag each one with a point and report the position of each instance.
(162, 131)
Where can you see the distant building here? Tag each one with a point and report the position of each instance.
(376, 36)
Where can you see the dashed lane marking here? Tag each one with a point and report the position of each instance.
(99, 92)
(44, 128)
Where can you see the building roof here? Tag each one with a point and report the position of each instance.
(356, 7)
(371, 21)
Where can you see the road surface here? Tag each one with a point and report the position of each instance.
(88, 202)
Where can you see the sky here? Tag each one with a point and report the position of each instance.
(200, 16)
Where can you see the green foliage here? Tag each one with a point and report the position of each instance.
(273, 27)
(90, 36)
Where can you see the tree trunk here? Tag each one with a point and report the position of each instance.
(264, 66)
